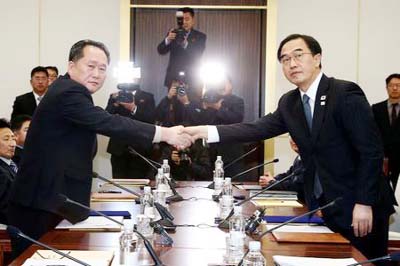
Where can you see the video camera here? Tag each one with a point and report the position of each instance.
(180, 31)
(125, 94)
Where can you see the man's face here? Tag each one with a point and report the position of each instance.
(39, 83)
(20, 134)
(302, 67)
(52, 75)
(7, 143)
(188, 21)
(91, 69)
(393, 89)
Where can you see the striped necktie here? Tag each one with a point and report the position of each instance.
(13, 167)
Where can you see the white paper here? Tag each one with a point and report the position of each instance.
(92, 222)
(301, 228)
(310, 261)
(63, 262)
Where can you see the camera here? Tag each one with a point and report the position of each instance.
(125, 94)
(180, 31)
(181, 88)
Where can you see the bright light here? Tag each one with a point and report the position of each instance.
(212, 73)
(126, 72)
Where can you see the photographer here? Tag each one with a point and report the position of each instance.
(138, 105)
(170, 111)
(186, 46)
(189, 164)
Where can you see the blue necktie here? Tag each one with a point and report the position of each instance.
(13, 167)
(307, 112)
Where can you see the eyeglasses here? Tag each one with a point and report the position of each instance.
(297, 56)
(392, 86)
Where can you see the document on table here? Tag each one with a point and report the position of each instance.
(277, 203)
(93, 223)
(310, 261)
(301, 229)
(48, 257)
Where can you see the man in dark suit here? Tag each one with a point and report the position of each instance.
(331, 122)
(185, 54)
(295, 183)
(61, 141)
(7, 166)
(26, 104)
(142, 108)
(19, 126)
(386, 115)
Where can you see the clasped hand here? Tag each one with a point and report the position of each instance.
(183, 137)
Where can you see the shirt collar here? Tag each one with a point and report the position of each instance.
(7, 161)
(37, 95)
(312, 90)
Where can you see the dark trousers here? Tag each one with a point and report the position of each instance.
(128, 166)
(32, 222)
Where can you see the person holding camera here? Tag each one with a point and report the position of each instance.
(137, 105)
(190, 164)
(186, 46)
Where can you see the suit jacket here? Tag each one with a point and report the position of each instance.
(145, 112)
(343, 146)
(390, 133)
(181, 59)
(59, 146)
(24, 104)
(17, 155)
(295, 183)
(6, 178)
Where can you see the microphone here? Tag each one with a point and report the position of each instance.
(146, 242)
(96, 175)
(176, 197)
(333, 202)
(240, 157)
(166, 216)
(14, 232)
(152, 163)
(216, 198)
(211, 186)
(395, 256)
(159, 229)
(224, 223)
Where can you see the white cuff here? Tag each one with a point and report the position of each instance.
(133, 112)
(167, 42)
(157, 135)
(213, 135)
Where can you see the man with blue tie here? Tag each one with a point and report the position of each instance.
(332, 124)
(8, 168)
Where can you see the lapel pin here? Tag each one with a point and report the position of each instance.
(323, 97)
(322, 103)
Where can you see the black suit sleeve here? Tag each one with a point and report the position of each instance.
(145, 109)
(162, 48)
(360, 128)
(266, 127)
(78, 108)
(231, 111)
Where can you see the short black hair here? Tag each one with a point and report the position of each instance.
(311, 43)
(392, 76)
(39, 69)
(54, 68)
(76, 51)
(18, 121)
(187, 10)
(4, 123)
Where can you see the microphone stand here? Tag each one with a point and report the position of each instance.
(146, 242)
(224, 223)
(333, 202)
(216, 198)
(14, 231)
(166, 216)
(212, 185)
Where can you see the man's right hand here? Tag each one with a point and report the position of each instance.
(266, 179)
(171, 35)
(176, 136)
(197, 132)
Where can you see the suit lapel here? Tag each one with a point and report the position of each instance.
(321, 101)
(33, 100)
(7, 168)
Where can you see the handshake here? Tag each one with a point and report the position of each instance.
(183, 137)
